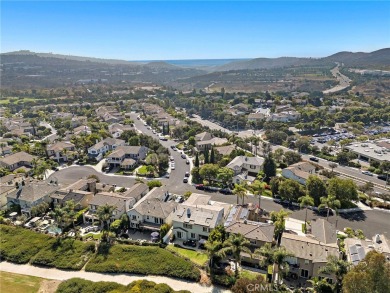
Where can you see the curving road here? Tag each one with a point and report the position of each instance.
(343, 80)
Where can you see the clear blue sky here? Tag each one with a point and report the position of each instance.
(194, 30)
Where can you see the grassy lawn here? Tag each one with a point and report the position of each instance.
(15, 283)
(146, 260)
(65, 254)
(198, 258)
(93, 235)
(142, 170)
(251, 275)
(6, 101)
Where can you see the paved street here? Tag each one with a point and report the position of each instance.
(371, 222)
(210, 124)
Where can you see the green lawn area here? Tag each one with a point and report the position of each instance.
(93, 235)
(196, 257)
(142, 170)
(146, 260)
(15, 283)
(251, 275)
(5, 101)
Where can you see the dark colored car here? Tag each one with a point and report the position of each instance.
(226, 191)
(383, 177)
(324, 211)
(199, 186)
(187, 162)
(314, 159)
(185, 180)
(190, 242)
(187, 174)
(183, 156)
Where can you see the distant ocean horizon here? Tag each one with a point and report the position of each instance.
(195, 62)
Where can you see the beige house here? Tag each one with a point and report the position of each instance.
(17, 160)
(61, 151)
(299, 172)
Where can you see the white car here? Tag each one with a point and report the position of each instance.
(368, 173)
(172, 167)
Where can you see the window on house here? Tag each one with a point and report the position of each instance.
(147, 217)
(134, 217)
(253, 241)
(193, 235)
(205, 229)
(156, 220)
(252, 166)
(161, 221)
(187, 226)
(179, 235)
(304, 273)
(306, 261)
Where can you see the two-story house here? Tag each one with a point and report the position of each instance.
(31, 193)
(127, 156)
(299, 172)
(116, 129)
(197, 217)
(153, 210)
(122, 201)
(61, 151)
(204, 141)
(245, 168)
(98, 150)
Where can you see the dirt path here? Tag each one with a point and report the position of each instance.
(55, 274)
(49, 286)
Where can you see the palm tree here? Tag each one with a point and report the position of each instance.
(240, 191)
(213, 250)
(104, 214)
(278, 218)
(258, 189)
(276, 256)
(319, 286)
(329, 202)
(333, 165)
(306, 201)
(335, 266)
(235, 244)
(59, 214)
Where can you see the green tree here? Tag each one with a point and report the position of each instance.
(316, 188)
(206, 156)
(104, 214)
(306, 201)
(115, 226)
(370, 275)
(212, 156)
(344, 190)
(291, 157)
(333, 165)
(291, 190)
(213, 249)
(164, 229)
(335, 266)
(279, 219)
(320, 286)
(208, 171)
(329, 202)
(240, 191)
(154, 183)
(218, 234)
(275, 183)
(225, 175)
(196, 163)
(258, 188)
(191, 141)
(236, 244)
(269, 167)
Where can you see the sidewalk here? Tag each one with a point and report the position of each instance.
(125, 279)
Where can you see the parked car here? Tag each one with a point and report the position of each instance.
(383, 177)
(187, 162)
(107, 169)
(314, 159)
(226, 191)
(190, 242)
(199, 186)
(185, 180)
(368, 173)
(187, 174)
(179, 199)
(172, 167)
(183, 156)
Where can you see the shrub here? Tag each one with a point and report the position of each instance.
(223, 280)
(19, 245)
(85, 286)
(65, 254)
(137, 259)
(154, 183)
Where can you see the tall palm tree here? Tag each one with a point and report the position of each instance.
(336, 266)
(240, 191)
(329, 202)
(236, 244)
(319, 286)
(104, 214)
(213, 250)
(258, 189)
(59, 214)
(279, 218)
(306, 201)
(276, 256)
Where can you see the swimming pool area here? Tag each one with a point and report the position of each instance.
(52, 229)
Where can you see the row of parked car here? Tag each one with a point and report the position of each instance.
(214, 189)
